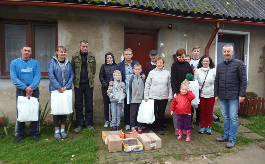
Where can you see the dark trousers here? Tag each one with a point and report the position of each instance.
(106, 102)
(184, 121)
(34, 125)
(159, 111)
(58, 118)
(134, 114)
(126, 112)
(86, 91)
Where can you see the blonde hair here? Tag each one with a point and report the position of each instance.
(184, 84)
(137, 65)
(117, 71)
(160, 58)
(57, 50)
(128, 49)
(196, 47)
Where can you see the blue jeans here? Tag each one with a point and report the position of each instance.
(229, 109)
(116, 113)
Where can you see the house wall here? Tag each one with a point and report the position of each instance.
(104, 32)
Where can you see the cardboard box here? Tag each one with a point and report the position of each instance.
(114, 143)
(131, 135)
(107, 133)
(132, 145)
(150, 141)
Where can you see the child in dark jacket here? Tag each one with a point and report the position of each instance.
(116, 95)
(182, 105)
(136, 95)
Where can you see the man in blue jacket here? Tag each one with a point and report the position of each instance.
(230, 88)
(25, 74)
(126, 69)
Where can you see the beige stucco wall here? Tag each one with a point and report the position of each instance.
(105, 32)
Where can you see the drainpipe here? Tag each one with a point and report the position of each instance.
(186, 42)
(211, 39)
(125, 10)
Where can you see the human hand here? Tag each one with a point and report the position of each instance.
(143, 76)
(241, 99)
(169, 100)
(175, 96)
(217, 98)
(61, 90)
(29, 91)
(172, 113)
(111, 83)
(108, 93)
(146, 100)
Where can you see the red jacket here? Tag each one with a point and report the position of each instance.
(182, 104)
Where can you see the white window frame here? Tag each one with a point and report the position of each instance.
(246, 46)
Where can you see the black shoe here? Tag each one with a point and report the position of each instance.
(36, 137)
(114, 128)
(18, 139)
(161, 132)
(118, 128)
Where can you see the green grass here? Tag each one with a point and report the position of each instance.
(79, 148)
(243, 141)
(217, 127)
(218, 112)
(179, 156)
(258, 124)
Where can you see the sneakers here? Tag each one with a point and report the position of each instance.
(222, 139)
(133, 130)
(151, 131)
(18, 139)
(110, 124)
(127, 127)
(36, 137)
(208, 131)
(140, 130)
(202, 130)
(230, 144)
(143, 128)
(78, 129)
(90, 128)
(64, 135)
(106, 124)
(161, 132)
(57, 136)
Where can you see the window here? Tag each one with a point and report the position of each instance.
(239, 40)
(42, 36)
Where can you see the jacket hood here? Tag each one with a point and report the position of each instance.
(109, 53)
(115, 81)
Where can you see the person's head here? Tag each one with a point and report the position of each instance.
(60, 53)
(128, 54)
(137, 69)
(183, 88)
(83, 46)
(117, 75)
(188, 58)
(109, 57)
(153, 55)
(26, 52)
(160, 62)
(228, 52)
(206, 62)
(196, 51)
(181, 53)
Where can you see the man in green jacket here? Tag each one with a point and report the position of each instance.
(84, 66)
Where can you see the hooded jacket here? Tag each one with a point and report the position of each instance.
(136, 89)
(182, 103)
(118, 91)
(106, 71)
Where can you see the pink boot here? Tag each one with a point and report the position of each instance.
(188, 136)
(180, 134)
(177, 132)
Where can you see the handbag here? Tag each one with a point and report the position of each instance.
(146, 112)
(61, 103)
(200, 90)
(27, 109)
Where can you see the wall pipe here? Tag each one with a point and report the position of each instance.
(211, 39)
(126, 10)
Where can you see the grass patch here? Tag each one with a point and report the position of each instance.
(241, 141)
(258, 124)
(157, 157)
(77, 148)
(217, 127)
(196, 155)
(179, 157)
(218, 112)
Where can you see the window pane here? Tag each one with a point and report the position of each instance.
(44, 45)
(15, 38)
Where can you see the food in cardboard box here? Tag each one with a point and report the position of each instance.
(150, 141)
(131, 135)
(132, 145)
(114, 143)
(107, 133)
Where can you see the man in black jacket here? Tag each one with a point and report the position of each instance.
(230, 88)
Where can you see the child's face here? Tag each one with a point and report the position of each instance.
(117, 76)
(109, 59)
(187, 59)
(184, 90)
(196, 53)
(137, 70)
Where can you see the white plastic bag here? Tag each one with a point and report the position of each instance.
(28, 109)
(146, 112)
(61, 103)
(194, 87)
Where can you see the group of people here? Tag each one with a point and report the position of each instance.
(126, 84)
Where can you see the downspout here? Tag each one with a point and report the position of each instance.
(125, 10)
(211, 39)
(186, 42)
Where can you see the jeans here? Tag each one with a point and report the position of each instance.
(87, 91)
(229, 109)
(116, 113)
(34, 125)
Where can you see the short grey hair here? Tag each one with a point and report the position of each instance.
(83, 41)
(229, 45)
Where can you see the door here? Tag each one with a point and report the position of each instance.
(141, 44)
